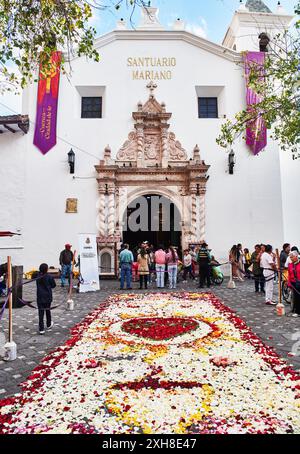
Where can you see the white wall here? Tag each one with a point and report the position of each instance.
(244, 207)
(12, 198)
(290, 171)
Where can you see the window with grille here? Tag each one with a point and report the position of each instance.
(208, 107)
(91, 107)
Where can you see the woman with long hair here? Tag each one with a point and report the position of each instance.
(143, 261)
(234, 259)
(172, 263)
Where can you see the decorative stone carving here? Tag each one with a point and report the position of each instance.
(152, 147)
(152, 160)
(196, 154)
(151, 143)
(128, 152)
(101, 221)
(176, 151)
(152, 106)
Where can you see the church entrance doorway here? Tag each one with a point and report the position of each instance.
(153, 218)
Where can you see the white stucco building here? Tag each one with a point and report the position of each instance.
(148, 141)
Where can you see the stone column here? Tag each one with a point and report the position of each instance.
(194, 219)
(140, 145)
(202, 215)
(165, 146)
(111, 210)
(122, 206)
(102, 215)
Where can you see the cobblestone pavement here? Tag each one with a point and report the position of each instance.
(281, 333)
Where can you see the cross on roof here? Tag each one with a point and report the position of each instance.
(152, 86)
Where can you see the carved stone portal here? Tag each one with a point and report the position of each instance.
(151, 138)
(151, 161)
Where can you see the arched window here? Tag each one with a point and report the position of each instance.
(106, 263)
(264, 41)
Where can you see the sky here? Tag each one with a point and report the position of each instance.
(207, 18)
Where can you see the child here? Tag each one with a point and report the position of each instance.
(44, 286)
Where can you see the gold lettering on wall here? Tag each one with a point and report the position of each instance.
(151, 68)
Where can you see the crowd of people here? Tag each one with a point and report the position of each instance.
(164, 264)
(144, 261)
(263, 265)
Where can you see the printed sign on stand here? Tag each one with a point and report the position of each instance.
(88, 263)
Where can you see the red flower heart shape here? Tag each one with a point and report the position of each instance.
(159, 328)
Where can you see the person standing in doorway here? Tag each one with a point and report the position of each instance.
(203, 260)
(267, 263)
(44, 285)
(65, 261)
(126, 261)
(160, 264)
(172, 263)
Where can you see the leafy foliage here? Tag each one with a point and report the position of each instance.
(279, 91)
(33, 29)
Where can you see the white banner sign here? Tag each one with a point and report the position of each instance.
(88, 263)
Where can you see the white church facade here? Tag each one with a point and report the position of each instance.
(143, 122)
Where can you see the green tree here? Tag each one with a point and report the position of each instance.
(279, 91)
(30, 30)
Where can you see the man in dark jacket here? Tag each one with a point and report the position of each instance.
(65, 261)
(286, 249)
(44, 285)
(203, 260)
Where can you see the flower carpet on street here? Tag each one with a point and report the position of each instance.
(163, 363)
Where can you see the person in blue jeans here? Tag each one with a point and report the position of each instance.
(65, 261)
(126, 260)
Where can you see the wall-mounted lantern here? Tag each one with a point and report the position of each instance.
(231, 162)
(71, 161)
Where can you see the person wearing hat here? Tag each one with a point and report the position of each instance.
(65, 261)
(203, 260)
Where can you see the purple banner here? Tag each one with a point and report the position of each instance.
(256, 133)
(46, 115)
